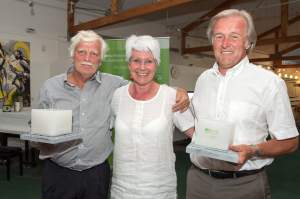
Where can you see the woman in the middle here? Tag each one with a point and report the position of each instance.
(144, 160)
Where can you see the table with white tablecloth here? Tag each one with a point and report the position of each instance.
(13, 124)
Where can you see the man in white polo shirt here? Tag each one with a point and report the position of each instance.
(254, 99)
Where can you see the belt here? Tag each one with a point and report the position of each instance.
(229, 174)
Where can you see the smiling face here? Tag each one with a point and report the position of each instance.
(229, 41)
(87, 58)
(142, 67)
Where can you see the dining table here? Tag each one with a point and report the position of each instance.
(13, 124)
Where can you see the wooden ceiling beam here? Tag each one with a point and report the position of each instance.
(272, 58)
(295, 38)
(205, 17)
(277, 28)
(284, 17)
(183, 42)
(128, 14)
(283, 28)
(288, 66)
(276, 45)
(114, 7)
(197, 49)
(289, 49)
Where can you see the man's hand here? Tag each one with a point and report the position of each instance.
(270, 148)
(182, 101)
(245, 152)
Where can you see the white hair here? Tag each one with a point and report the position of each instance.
(87, 36)
(251, 33)
(143, 43)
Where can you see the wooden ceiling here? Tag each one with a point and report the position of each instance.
(281, 38)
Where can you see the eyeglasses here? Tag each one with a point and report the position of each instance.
(139, 62)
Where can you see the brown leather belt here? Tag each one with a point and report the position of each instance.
(229, 174)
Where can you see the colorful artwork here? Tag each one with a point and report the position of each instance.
(14, 72)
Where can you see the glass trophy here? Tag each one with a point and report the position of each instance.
(212, 139)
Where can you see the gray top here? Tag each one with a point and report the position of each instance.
(91, 118)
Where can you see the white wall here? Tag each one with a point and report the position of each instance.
(185, 70)
(48, 43)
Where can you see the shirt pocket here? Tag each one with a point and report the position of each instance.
(66, 104)
(240, 110)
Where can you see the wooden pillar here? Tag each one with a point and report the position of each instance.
(284, 17)
(114, 7)
(70, 15)
(276, 45)
(183, 42)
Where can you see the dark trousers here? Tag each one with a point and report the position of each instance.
(63, 183)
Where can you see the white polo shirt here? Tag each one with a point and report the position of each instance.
(254, 99)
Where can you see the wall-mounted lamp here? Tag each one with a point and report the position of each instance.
(30, 30)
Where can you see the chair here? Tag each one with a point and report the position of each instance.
(8, 152)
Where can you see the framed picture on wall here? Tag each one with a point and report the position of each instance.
(14, 73)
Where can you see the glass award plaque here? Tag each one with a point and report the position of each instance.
(225, 155)
(212, 139)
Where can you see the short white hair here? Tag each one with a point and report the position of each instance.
(251, 33)
(87, 36)
(145, 43)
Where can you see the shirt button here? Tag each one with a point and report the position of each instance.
(82, 129)
(83, 114)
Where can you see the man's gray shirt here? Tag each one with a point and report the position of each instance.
(91, 118)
